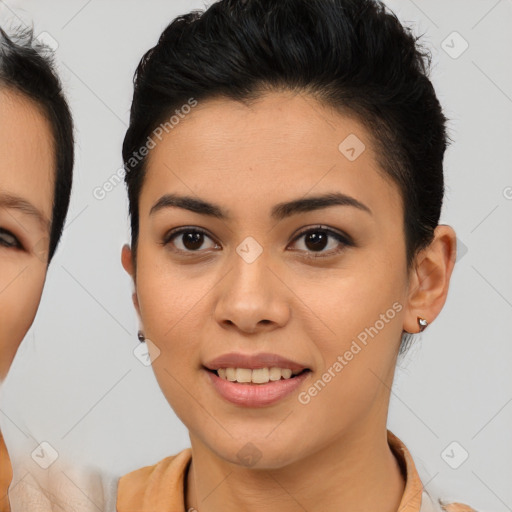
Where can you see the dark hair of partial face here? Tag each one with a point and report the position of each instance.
(27, 67)
(353, 56)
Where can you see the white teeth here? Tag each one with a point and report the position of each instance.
(275, 373)
(260, 375)
(243, 374)
(286, 373)
(256, 376)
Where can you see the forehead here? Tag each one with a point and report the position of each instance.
(27, 158)
(281, 145)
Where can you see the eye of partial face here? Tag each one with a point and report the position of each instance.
(8, 240)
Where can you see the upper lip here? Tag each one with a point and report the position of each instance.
(253, 361)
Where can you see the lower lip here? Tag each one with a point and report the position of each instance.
(256, 395)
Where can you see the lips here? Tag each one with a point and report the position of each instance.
(255, 395)
(253, 362)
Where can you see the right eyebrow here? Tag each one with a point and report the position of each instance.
(14, 202)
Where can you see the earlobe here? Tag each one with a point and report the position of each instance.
(422, 325)
(431, 280)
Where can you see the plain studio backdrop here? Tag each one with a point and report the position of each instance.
(76, 383)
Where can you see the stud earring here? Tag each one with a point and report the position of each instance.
(141, 337)
(422, 323)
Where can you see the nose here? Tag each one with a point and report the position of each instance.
(252, 297)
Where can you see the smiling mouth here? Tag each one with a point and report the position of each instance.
(256, 376)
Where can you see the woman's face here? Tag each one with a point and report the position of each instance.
(26, 192)
(332, 300)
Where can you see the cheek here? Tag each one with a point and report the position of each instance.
(19, 301)
(358, 337)
(172, 327)
(172, 312)
(173, 297)
(175, 310)
(350, 303)
(166, 303)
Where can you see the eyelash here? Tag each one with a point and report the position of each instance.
(15, 245)
(343, 239)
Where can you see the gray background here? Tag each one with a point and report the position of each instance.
(76, 383)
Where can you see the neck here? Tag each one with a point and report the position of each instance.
(356, 471)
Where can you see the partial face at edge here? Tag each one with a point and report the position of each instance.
(305, 297)
(27, 164)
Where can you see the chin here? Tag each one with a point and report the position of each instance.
(256, 452)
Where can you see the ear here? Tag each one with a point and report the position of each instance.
(430, 278)
(127, 262)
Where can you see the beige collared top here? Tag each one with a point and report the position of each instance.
(162, 487)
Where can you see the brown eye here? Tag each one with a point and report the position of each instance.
(316, 240)
(188, 239)
(319, 238)
(8, 240)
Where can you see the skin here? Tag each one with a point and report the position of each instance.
(331, 454)
(27, 170)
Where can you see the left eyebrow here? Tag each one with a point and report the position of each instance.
(279, 211)
(308, 204)
(10, 201)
